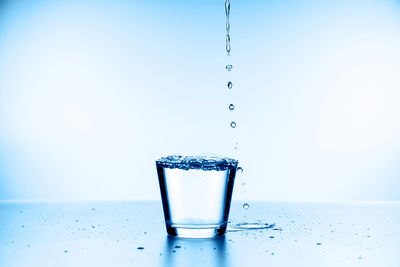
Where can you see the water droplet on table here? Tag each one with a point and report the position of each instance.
(252, 226)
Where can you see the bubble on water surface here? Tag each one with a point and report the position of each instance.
(206, 163)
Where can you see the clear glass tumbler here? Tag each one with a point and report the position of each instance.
(196, 194)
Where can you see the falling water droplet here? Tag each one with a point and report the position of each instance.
(233, 124)
(228, 44)
(236, 145)
(229, 67)
(240, 169)
(227, 7)
(228, 27)
(229, 85)
(246, 206)
(231, 107)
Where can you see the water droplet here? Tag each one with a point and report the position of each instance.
(177, 246)
(243, 184)
(227, 7)
(229, 67)
(230, 85)
(318, 244)
(271, 236)
(240, 169)
(228, 27)
(233, 124)
(246, 206)
(231, 107)
(65, 251)
(228, 43)
(140, 248)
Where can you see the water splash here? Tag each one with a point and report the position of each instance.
(251, 226)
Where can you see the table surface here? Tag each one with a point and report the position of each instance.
(112, 233)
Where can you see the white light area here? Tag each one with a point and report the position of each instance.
(329, 115)
(91, 94)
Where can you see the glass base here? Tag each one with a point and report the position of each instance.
(187, 232)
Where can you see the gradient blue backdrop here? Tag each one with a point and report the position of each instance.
(92, 92)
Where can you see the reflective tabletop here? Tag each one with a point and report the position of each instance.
(132, 233)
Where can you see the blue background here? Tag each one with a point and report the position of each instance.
(92, 92)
